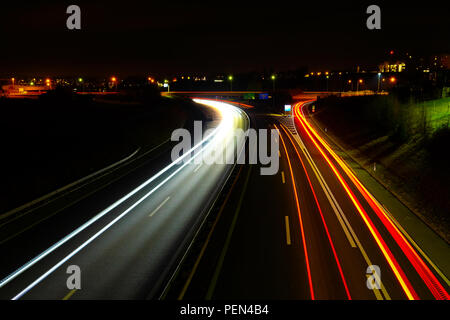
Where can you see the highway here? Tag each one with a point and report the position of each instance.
(133, 243)
(312, 231)
(192, 230)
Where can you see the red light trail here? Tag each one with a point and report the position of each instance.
(422, 269)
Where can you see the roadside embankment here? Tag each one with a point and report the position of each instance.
(49, 143)
(403, 144)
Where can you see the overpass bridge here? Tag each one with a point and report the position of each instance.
(265, 95)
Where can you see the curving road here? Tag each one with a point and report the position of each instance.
(313, 231)
(131, 247)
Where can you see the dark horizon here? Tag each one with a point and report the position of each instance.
(171, 152)
(226, 37)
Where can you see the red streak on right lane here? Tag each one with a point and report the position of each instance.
(400, 275)
(419, 265)
(341, 272)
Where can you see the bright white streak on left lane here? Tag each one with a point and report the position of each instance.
(227, 112)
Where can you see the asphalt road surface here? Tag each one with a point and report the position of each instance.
(312, 231)
(129, 248)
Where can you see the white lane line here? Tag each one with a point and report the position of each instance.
(329, 194)
(288, 231)
(62, 189)
(198, 167)
(87, 242)
(345, 224)
(214, 134)
(159, 207)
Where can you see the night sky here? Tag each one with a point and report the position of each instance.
(143, 37)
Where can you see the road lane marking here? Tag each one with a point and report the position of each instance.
(212, 285)
(436, 268)
(392, 261)
(375, 290)
(282, 177)
(330, 240)
(416, 245)
(433, 284)
(86, 195)
(288, 232)
(70, 294)
(42, 255)
(159, 207)
(58, 192)
(198, 167)
(294, 189)
(331, 199)
(354, 235)
(214, 134)
(340, 214)
(205, 245)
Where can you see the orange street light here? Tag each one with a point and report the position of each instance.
(392, 79)
(114, 81)
(360, 81)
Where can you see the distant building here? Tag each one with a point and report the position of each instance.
(441, 62)
(20, 90)
(398, 66)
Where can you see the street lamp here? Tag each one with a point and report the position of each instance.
(166, 84)
(351, 85)
(360, 81)
(114, 81)
(230, 78)
(273, 77)
(379, 81)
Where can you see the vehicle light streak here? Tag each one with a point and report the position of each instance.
(227, 111)
(400, 275)
(322, 217)
(308, 270)
(422, 269)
